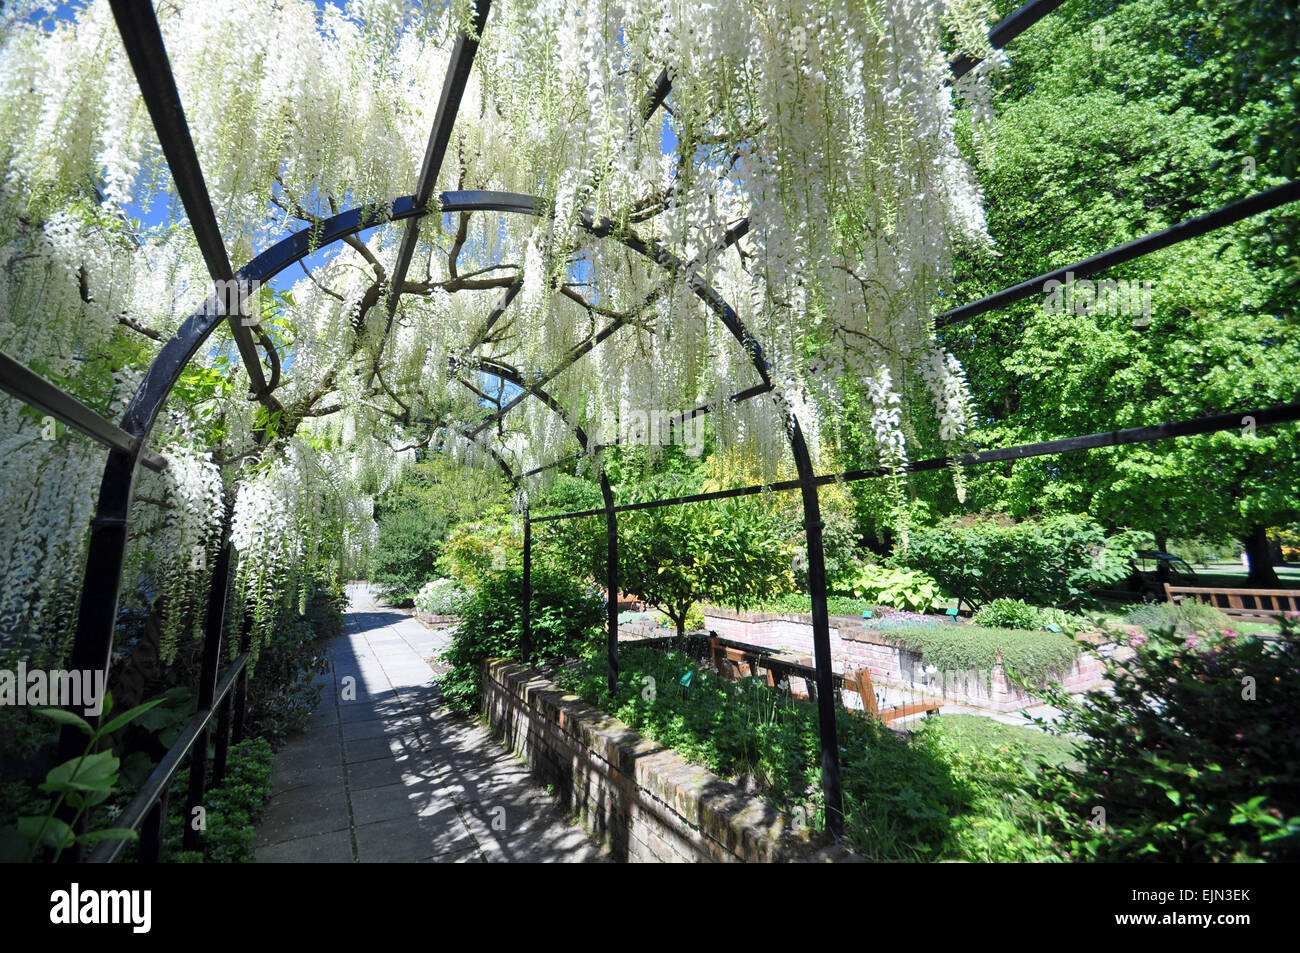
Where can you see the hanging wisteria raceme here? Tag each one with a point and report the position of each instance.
(829, 127)
(174, 540)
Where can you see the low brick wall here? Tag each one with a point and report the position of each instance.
(433, 621)
(646, 801)
(889, 664)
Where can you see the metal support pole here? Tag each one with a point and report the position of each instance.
(241, 686)
(526, 636)
(213, 625)
(223, 740)
(611, 583)
(827, 696)
(153, 830)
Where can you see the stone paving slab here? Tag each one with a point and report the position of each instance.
(385, 773)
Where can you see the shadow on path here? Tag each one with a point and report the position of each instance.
(385, 773)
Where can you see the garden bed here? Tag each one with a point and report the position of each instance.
(891, 655)
(649, 803)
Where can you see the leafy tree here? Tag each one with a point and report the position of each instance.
(673, 556)
(1112, 123)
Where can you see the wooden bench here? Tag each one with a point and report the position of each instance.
(1268, 603)
(732, 663)
(860, 682)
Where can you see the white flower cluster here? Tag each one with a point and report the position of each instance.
(829, 126)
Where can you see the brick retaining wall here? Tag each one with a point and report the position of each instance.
(890, 664)
(646, 801)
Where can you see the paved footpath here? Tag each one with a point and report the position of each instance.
(393, 776)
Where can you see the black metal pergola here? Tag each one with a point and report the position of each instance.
(222, 694)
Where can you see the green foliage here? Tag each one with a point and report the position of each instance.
(1179, 111)
(1007, 614)
(906, 797)
(1033, 656)
(434, 499)
(729, 553)
(475, 551)
(410, 542)
(231, 809)
(80, 783)
(1191, 754)
(566, 618)
(1053, 561)
(910, 590)
(1187, 617)
(1201, 551)
(441, 597)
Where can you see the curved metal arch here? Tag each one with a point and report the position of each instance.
(92, 646)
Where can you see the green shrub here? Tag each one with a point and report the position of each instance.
(1187, 617)
(410, 542)
(441, 597)
(1191, 754)
(566, 618)
(231, 810)
(912, 591)
(1054, 561)
(474, 551)
(1007, 614)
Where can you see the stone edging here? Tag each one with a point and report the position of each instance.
(648, 802)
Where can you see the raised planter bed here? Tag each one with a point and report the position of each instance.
(432, 620)
(647, 802)
(889, 663)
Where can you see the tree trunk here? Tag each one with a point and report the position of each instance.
(1260, 555)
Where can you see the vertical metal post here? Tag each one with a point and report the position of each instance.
(237, 729)
(828, 698)
(241, 683)
(223, 740)
(152, 830)
(611, 583)
(214, 623)
(526, 634)
(92, 647)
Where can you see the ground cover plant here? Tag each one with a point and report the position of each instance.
(960, 650)
(906, 798)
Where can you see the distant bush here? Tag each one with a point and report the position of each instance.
(1199, 551)
(1187, 618)
(409, 544)
(1054, 561)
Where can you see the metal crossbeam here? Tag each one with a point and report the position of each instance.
(1006, 31)
(1192, 228)
(32, 389)
(1278, 414)
(143, 41)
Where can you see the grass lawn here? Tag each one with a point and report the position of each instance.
(972, 733)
